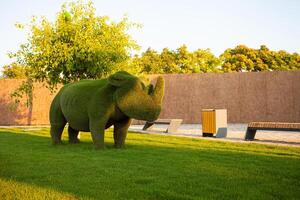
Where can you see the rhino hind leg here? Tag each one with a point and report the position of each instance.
(56, 132)
(57, 122)
(73, 135)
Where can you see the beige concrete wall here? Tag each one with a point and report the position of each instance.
(21, 114)
(263, 96)
(260, 96)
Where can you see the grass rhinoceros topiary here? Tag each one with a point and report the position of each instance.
(94, 105)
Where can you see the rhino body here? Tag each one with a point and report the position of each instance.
(94, 105)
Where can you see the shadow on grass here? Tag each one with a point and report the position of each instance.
(151, 167)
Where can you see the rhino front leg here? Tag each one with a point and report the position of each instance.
(97, 129)
(120, 132)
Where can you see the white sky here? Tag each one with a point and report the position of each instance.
(214, 24)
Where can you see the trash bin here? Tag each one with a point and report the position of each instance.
(214, 122)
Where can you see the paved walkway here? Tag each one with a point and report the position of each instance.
(235, 133)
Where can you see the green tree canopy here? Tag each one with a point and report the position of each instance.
(148, 62)
(176, 61)
(14, 70)
(243, 58)
(78, 45)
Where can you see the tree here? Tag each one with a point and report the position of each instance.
(78, 45)
(205, 61)
(243, 58)
(177, 61)
(14, 70)
(169, 63)
(238, 59)
(184, 60)
(149, 62)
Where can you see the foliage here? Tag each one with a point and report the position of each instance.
(14, 71)
(178, 61)
(243, 58)
(239, 59)
(152, 167)
(78, 45)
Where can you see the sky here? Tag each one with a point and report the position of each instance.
(214, 24)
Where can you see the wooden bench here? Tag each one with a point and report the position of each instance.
(271, 126)
(173, 124)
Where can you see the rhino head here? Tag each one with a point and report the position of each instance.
(135, 99)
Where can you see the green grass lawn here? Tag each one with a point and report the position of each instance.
(150, 167)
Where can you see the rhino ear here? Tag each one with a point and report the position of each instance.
(119, 78)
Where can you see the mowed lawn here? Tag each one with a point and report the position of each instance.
(150, 167)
